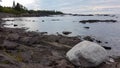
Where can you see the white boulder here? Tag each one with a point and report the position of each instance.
(87, 54)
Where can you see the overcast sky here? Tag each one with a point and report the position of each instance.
(71, 6)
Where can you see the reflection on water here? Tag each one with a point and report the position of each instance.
(108, 32)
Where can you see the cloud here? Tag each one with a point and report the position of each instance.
(71, 6)
(10, 2)
(93, 7)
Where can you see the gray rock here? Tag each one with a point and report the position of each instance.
(9, 45)
(8, 66)
(13, 37)
(88, 38)
(2, 39)
(87, 54)
(29, 40)
(26, 56)
(66, 32)
(15, 25)
(25, 40)
(86, 27)
(43, 33)
(7, 59)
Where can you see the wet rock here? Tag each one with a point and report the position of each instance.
(59, 34)
(88, 38)
(9, 45)
(82, 15)
(66, 32)
(33, 20)
(98, 41)
(87, 54)
(95, 21)
(87, 27)
(43, 33)
(43, 21)
(106, 42)
(55, 19)
(15, 25)
(9, 20)
(107, 48)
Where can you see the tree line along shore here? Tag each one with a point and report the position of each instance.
(20, 10)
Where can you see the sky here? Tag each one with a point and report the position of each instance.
(71, 6)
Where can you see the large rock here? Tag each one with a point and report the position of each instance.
(87, 54)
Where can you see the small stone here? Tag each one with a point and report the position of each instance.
(43, 33)
(98, 41)
(106, 42)
(88, 38)
(112, 60)
(107, 48)
(87, 27)
(15, 25)
(43, 21)
(66, 32)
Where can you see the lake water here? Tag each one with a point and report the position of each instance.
(108, 32)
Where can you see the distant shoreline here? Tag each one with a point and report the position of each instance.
(4, 15)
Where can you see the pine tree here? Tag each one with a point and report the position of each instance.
(13, 4)
(18, 7)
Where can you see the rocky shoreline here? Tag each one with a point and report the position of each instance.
(21, 49)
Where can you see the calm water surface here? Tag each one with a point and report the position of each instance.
(108, 32)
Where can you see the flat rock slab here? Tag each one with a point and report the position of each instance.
(9, 45)
(13, 37)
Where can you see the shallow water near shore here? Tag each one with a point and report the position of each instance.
(104, 31)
